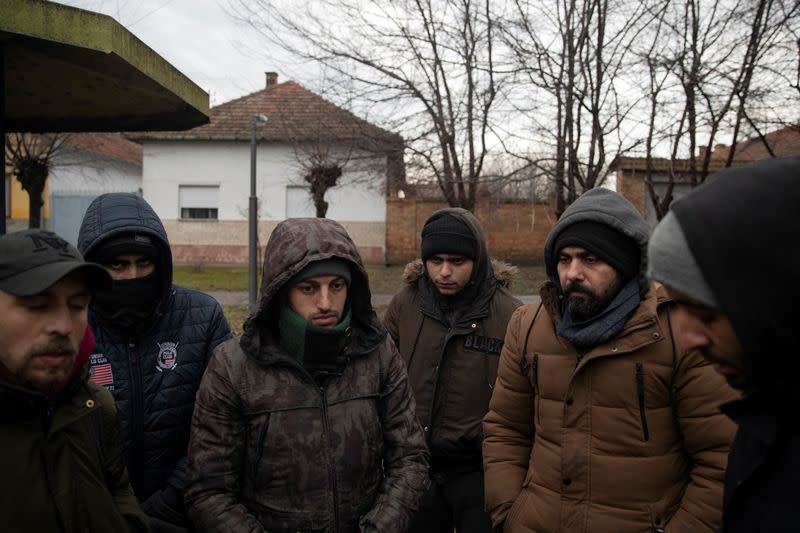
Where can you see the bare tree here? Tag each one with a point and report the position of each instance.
(29, 158)
(430, 64)
(706, 81)
(570, 57)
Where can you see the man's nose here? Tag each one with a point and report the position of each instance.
(446, 269)
(324, 301)
(574, 271)
(60, 322)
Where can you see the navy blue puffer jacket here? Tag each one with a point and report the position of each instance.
(154, 377)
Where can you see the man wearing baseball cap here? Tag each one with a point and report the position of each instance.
(60, 446)
(154, 340)
(600, 419)
(448, 323)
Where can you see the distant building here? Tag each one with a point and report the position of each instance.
(631, 172)
(84, 166)
(198, 181)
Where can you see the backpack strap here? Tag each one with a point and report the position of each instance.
(527, 336)
(673, 388)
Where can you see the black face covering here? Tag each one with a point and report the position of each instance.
(129, 305)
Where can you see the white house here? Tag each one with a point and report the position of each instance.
(198, 181)
(85, 166)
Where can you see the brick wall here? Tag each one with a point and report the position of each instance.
(225, 242)
(631, 185)
(515, 232)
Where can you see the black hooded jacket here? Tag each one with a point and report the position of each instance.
(743, 230)
(155, 376)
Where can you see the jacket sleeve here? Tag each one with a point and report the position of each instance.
(167, 503)
(216, 449)
(391, 320)
(507, 426)
(405, 453)
(114, 464)
(707, 435)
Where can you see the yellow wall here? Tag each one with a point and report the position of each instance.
(19, 200)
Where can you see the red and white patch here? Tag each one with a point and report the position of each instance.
(100, 371)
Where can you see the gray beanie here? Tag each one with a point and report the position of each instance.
(670, 261)
(326, 267)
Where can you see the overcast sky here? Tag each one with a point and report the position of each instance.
(225, 58)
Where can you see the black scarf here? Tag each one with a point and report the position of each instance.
(130, 304)
(606, 324)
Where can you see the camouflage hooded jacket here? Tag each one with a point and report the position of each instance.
(271, 450)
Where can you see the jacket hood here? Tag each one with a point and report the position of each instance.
(606, 207)
(742, 228)
(294, 244)
(117, 213)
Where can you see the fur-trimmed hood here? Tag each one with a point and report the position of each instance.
(504, 272)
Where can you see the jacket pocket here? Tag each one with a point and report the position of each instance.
(640, 394)
(257, 434)
(515, 510)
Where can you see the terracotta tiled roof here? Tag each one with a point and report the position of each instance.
(784, 142)
(112, 145)
(294, 113)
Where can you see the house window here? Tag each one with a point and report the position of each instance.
(199, 202)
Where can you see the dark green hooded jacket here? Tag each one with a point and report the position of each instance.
(62, 466)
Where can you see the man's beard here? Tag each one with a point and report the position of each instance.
(585, 308)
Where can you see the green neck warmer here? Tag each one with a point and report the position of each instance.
(312, 345)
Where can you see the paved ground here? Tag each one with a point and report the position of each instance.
(239, 298)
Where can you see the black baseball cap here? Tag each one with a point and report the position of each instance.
(32, 261)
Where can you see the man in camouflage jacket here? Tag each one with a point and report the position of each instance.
(307, 422)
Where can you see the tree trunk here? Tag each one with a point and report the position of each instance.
(32, 176)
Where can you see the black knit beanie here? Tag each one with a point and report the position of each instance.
(325, 267)
(608, 244)
(445, 234)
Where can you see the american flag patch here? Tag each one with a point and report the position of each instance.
(100, 371)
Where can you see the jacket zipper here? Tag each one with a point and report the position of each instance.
(137, 417)
(640, 389)
(330, 461)
(429, 426)
(535, 383)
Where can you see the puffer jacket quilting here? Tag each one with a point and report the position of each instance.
(154, 394)
(624, 437)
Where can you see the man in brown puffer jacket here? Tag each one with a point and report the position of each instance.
(449, 323)
(600, 421)
(306, 423)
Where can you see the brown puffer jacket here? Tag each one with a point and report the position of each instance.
(271, 450)
(452, 366)
(628, 437)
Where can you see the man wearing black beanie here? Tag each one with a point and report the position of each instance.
(600, 420)
(728, 254)
(449, 322)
